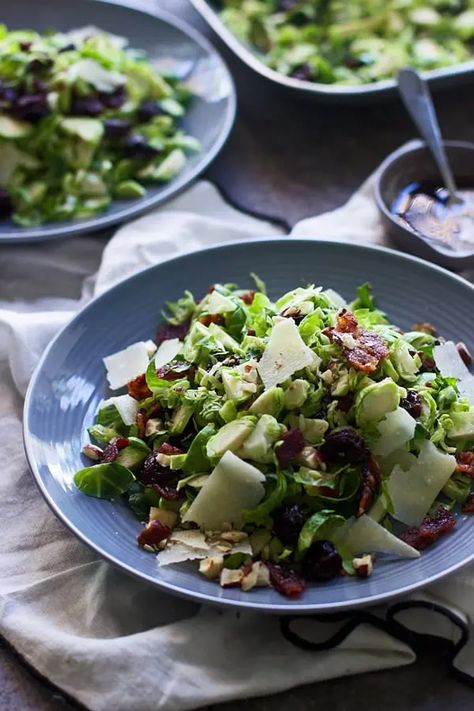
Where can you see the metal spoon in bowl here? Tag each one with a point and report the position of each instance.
(417, 99)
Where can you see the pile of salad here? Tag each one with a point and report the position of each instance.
(358, 42)
(279, 442)
(84, 120)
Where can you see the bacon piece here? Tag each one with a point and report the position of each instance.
(112, 450)
(138, 388)
(430, 529)
(248, 297)
(468, 506)
(285, 580)
(153, 534)
(293, 443)
(465, 463)
(142, 417)
(369, 487)
(207, 319)
(169, 330)
(175, 370)
(363, 349)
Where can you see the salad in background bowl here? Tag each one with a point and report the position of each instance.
(286, 442)
(84, 120)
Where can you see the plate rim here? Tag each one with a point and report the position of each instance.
(214, 600)
(49, 232)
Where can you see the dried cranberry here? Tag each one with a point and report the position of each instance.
(112, 450)
(411, 403)
(147, 110)
(293, 443)
(153, 534)
(345, 402)
(322, 562)
(427, 363)
(31, 107)
(345, 445)
(430, 529)
(114, 99)
(153, 472)
(169, 449)
(285, 580)
(288, 522)
(207, 319)
(6, 205)
(86, 106)
(169, 492)
(40, 64)
(468, 505)
(115, 128)
(465, 463)
(67, 48)
(25, 46)
(137, 146)
(168, 330)
(251, 332)
(138, 388)
(175, 370)
(304, 72)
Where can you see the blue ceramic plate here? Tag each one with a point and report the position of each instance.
(170, 44)
(70, 381)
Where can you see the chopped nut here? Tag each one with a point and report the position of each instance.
(224, 547)
(425, 327)
(363, 566)
(231, 578)
(257, 576)
(464, 353)
(163, 459)
(211, 567)
(309, 457)
(153, 426)
(92, 452)
(233, 536)
(327, 377)
(165, 516)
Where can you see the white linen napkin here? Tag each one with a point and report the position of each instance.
(105, 638)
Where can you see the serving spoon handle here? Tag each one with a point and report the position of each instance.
(417, 99)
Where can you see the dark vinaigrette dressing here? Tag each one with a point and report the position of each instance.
(424, 208)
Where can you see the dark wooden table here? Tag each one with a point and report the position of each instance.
(288, 159)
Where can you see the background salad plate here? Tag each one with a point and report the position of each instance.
(70, 382)
(172, 47)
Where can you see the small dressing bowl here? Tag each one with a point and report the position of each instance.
(413, 164)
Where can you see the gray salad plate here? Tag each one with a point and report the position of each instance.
(70, 382)
(171, 46)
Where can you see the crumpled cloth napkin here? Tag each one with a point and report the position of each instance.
(106, 639)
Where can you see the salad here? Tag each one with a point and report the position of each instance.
(335, 42)
(280, 442)
(84, 120)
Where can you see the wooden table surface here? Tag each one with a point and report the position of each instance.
(288, 159)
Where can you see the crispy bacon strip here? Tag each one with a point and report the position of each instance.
(369, 487)
(364, 349)
(430, 529)
(465, 463)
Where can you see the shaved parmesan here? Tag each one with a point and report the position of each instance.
(216, 303)
(395, 430)
(167, 351)
(127, 407)
(125, 365)
(94, 73)
(450, 364)
(367, 536)
(150, 347)
(414, 490)
(285, 353)
(234, 485)
(192, 545)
